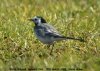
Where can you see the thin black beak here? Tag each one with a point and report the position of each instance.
(30, 19)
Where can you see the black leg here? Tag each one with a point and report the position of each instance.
(48, 46)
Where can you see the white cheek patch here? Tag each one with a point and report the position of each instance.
(39, 22)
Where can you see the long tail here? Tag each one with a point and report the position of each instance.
(72, 38)
(79, 39)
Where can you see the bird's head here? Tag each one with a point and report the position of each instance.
(38, 20)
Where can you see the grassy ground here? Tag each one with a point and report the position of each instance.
(19, 48)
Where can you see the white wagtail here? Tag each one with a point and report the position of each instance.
(46, 33)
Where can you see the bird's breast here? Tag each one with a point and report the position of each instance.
(40, 34)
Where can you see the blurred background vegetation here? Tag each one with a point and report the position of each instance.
(19, 48)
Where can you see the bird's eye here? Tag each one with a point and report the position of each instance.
(35, 19)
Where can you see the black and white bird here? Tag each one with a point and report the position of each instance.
(46, 33)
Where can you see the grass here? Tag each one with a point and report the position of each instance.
(19, 48)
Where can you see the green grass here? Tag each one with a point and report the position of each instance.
(19, 48)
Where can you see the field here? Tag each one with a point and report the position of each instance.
(21, 50)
